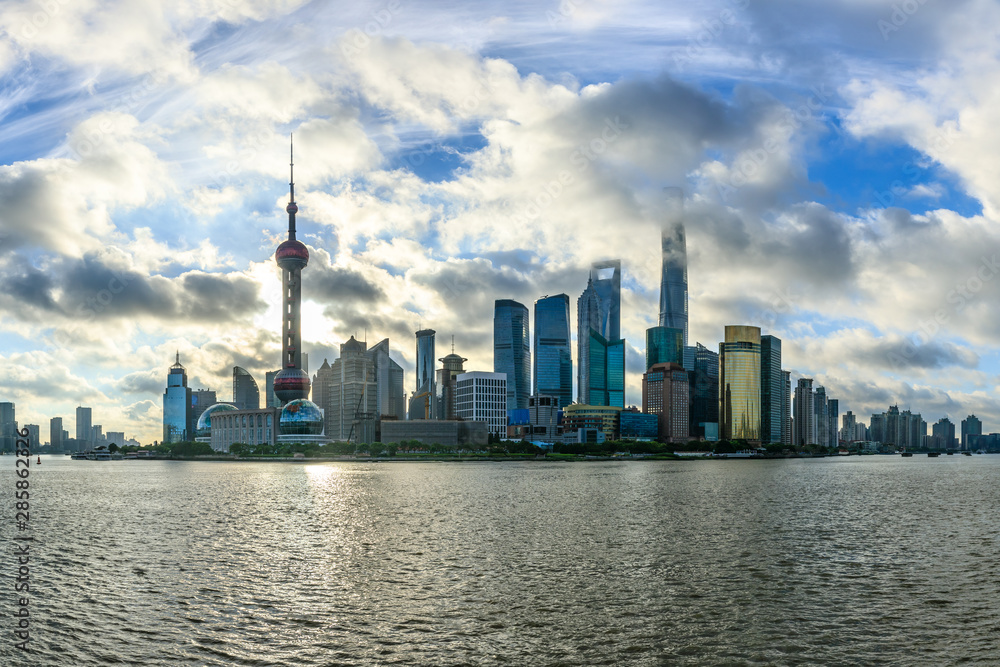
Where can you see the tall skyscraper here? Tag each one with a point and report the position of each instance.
(772, 387)
(943, 434)
(270, 400)
(665, 346)
(176, 409)
(739, 384)
(291, 382)
(424, 398)
(805, 417)
(8, 428)
(56, 433)
(606, 278)
(552, 359)
(666, 393)
(786, 408)
(674, 278)
(391, 401)
(832, 418)
(821, 417)
(351, 395)
(201, 400)
(970, 426)
(512, 350)
(246, 395)
(704, 393)
(588, 318)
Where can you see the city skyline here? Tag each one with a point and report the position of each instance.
(840, 201)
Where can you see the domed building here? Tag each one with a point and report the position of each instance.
(203, 431)
(301, 417)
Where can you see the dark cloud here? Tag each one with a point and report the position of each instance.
(335, 284)
(899, 354)
(142, 382)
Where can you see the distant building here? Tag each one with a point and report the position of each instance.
(56, 434)
(201, 400)
(176, 407)
(543, 418)
(664, 346)
(246, 395)
(249, 427)
(971, 425)
(422, 405)
(116, 438)
(666, 394)
(786, 408)
(805, 415)
(943, 434)
(552, 359)
(821, 417)
(8, 427)
(84, 418)
(604, 418)
(512, 350)
(674, 277)
(391, 393)
(832, 415)
(772, 389)
(33, 436)
(635, 425)
(739, 384)
(271, 400)
(350, 394)
(482, 397)
(600, 350)
(454, 434)
(704, 378)
(453, 365)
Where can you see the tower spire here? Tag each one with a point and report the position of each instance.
(292, 209)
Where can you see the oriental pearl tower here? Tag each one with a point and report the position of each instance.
(291, 384)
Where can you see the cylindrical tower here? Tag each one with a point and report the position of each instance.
(291, 382)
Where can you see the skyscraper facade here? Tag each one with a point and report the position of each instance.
(674, 278)
(606, 278)
(588, 319)
(666, 393)
(391, 402)
(786, 408)
(704, 393)
(425, 395)
(971, 425)
(351, 395)
(832, 419)
(665, 346)
(482, 397)
(56, 433)
(821, 417)
(512, 350)
(739, 384)
(805, 418)
(604, 382)
(246, 395)
(772, 386)
(552, 360)
(943, 434)
(8, 427)
(176, 409)
(452, 365)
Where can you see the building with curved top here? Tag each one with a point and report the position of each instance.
(176, 407)
(203, 430)
(246, 394)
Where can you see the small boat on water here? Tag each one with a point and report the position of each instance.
(933, 454)
(78, 456)
(966, 453)
(906, 454)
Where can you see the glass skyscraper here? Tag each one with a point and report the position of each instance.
(176, 409)
(606, 278)
(606, 372)
(512, 350)
(246, 395)
(704, 391)
(425, 394)
(552, 361)
(739, 384)
(772, 386)
(674, 278)
(664, 346)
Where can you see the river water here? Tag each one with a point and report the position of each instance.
(849, 561)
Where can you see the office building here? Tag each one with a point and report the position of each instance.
(606, 280)
(832, 419)
(84, 417)
(600, 360)
(8, 427)
(56, 434)
(604, 380)
(201, 400)
(805, 417)
(512, 350)
(739, 384)
(704, 393)
(635, 425)
(943, 434)
(786, 408)
(453, 365)
(772, 389)
(482, 397)
(666, 346)
(246, 395)
(452, 434)
(821, 417)
(674, 278)
(666, 394)
(350, 393)
(543, 418)
(579, 418)
(33, 437)
(424, 397)
(391, 398)
(270, 399)
(227, 426)
(552, 359)
(971, 425)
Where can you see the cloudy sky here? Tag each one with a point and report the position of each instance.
(838, 156)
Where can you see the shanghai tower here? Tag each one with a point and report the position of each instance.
(674, 281)
(291, 382)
